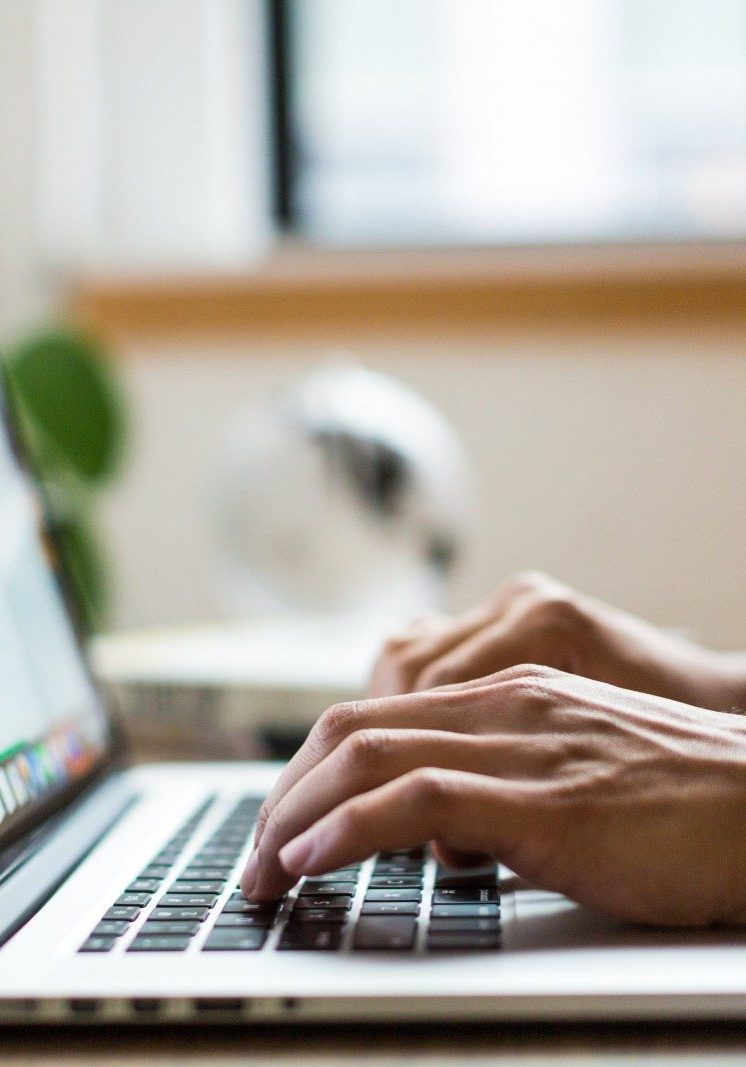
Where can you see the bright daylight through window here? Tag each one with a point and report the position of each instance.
(497, 121)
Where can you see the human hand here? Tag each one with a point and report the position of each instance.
(630, 804)
(535, 619)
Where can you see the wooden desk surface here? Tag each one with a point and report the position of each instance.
(699, 1045)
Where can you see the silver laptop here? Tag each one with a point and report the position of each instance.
(119, 894)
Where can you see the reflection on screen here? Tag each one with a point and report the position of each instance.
(52, 726)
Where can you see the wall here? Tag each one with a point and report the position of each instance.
(25, 289)
(615, 462)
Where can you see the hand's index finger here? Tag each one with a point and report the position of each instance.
(466, 811)
(435, 710)
(458, 708)
(370, 759)
(307, 756)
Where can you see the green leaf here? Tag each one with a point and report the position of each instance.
(71, 399)
(85, 563)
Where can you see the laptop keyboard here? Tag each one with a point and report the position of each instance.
(399, 901)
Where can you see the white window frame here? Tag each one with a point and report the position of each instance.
(152, 134)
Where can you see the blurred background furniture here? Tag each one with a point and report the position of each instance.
(244, 691)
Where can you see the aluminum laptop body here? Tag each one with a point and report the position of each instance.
(91, 850)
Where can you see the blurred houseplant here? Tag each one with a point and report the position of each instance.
(72, 416)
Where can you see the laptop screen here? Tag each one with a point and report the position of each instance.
(53, 727)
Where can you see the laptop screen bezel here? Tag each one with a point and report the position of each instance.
(113, 752)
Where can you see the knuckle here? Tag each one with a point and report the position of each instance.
(527, 674)
(366, 747)
(338, 721)
(272, 828)
(428, 786)
(557, 612)
(261, 820)
(268, 847)
(532, 689)
(273, 824)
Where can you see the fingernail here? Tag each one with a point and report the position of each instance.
(249, 875)
(296, 854)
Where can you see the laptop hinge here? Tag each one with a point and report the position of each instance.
(31, 885)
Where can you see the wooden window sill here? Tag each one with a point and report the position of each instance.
(318, 295)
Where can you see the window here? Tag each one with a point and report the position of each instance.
(511, 121)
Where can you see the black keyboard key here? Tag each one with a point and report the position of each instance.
(310, 939)
(323, 902)
(154, 871)
(98, 944)
(144, 885)
(395, 882)
(415, 893)
(111, 928)
(236, 940)
(188, 900)
(248, 907)
(159, 943)
(199, 874)
(465, 895)
(393, 932)
(464, 911)
(168, 929)
(161, 914)
(197, 887)
(345, 874)
(448, 926)
(119, 912)
(232, 919)
(391, 907)
(135, 900)
(199, 862)
(196, 863)
(166, 858)
(389, 870)
(471, 876)
(463, 941)
(307, 916)
(334, 889)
